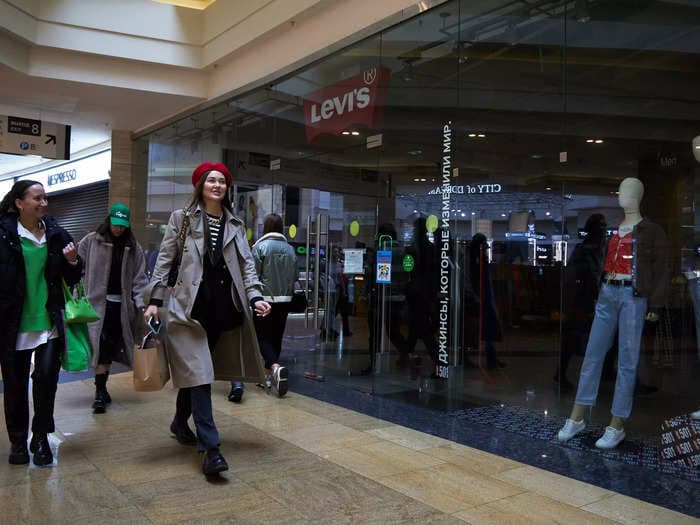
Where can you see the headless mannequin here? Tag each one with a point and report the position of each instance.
(630, 196)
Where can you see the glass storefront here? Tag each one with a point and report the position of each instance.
(450, 186)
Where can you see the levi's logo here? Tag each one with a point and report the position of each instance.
(357, 98)
(352, 103)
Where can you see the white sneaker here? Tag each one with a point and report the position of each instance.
(570, 429)
(695, 415)
(611, 438)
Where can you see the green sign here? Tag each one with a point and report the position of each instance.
(408, 263)
(431, 223)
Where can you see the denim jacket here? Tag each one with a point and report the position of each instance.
(276, 264)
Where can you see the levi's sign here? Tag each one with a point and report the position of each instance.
(357, 101)
(25, 136)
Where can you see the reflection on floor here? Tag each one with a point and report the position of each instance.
(295, 460)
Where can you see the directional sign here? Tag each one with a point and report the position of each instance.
(25, 136)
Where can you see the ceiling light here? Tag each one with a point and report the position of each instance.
(355, 133)
(697, 146)
(503, 214)
(464, 215)
(422, 180)
(415, 152)
(547, 213)
(481, 135)
(598, 141)
(590, 141)
(473, 213)
(548, 188)
(472, 135)
(346, 133)
(535, 156)
(416, 180)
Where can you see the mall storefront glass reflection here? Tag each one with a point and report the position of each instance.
(479, 153)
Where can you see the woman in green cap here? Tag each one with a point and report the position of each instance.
(116, 294)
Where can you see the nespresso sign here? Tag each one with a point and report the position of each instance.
(353, 102)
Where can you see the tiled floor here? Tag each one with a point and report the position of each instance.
(295, 460)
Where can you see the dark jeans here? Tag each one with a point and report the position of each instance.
(195, 401)
(270, 331)
(15, 376)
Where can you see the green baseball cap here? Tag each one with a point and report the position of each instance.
(119, 215)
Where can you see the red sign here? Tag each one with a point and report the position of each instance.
(352, 102)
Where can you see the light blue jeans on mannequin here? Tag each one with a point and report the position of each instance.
(617, 310)
(694, 289)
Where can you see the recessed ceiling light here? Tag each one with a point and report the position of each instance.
(481, 135)
(464, 215)
(472, 135)
(697, 147)
(416, 180)
(422, 180)
(598, 141)
(547, 213)
(590, 141)
(503, 214)
(548, 188)
(355, 133)
(346, 133)
(473, 213)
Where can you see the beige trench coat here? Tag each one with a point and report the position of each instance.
(96, 253)
(236, 356)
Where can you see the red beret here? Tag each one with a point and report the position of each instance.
(206, 167)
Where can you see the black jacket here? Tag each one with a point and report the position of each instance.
(12, 277)
(650, 269)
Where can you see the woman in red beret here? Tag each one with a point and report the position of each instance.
(210, 331)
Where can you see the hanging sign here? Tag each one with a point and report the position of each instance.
(24, 136)
(408, 263)
(384, 267)
(354, 101)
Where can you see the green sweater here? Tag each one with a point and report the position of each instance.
(35, 317)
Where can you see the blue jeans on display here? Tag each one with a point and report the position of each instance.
(694, 289)
(617, 310)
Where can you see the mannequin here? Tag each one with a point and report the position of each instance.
(633, 281)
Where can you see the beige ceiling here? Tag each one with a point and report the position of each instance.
(92, 110)
(192, 4)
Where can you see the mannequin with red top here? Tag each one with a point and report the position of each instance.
(633, 280)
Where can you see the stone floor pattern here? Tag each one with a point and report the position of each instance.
(293, 460)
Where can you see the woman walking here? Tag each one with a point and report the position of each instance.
(210, 332)
(115, 280)
(36, 254)
(275, 263)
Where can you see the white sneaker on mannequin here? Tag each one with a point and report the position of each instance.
(570, 429)
(611, 438)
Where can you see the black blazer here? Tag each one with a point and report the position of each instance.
(12, 277)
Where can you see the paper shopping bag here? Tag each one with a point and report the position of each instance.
(151, 371)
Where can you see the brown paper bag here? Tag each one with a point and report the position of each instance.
(151, 371)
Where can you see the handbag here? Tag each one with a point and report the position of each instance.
(77, 354)
(181, 236)
(77, 307)
(151, 371)
(299, 303)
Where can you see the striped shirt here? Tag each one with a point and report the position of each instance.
(214, 224)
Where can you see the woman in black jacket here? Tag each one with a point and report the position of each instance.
(35, 255)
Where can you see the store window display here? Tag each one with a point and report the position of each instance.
(633, 289)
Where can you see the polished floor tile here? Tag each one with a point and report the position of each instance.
(292, 460)
(450, 488)
(529, 509)
(554, 486)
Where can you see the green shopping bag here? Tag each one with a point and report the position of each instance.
(78, 354)
(77, 308)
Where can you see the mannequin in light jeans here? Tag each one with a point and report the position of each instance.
(617, 309)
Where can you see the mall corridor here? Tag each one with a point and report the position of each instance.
(293, 460)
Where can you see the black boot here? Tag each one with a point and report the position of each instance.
(99, 406)
(105, 394)
(39, 446)
(19, 455)
(213, 462)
